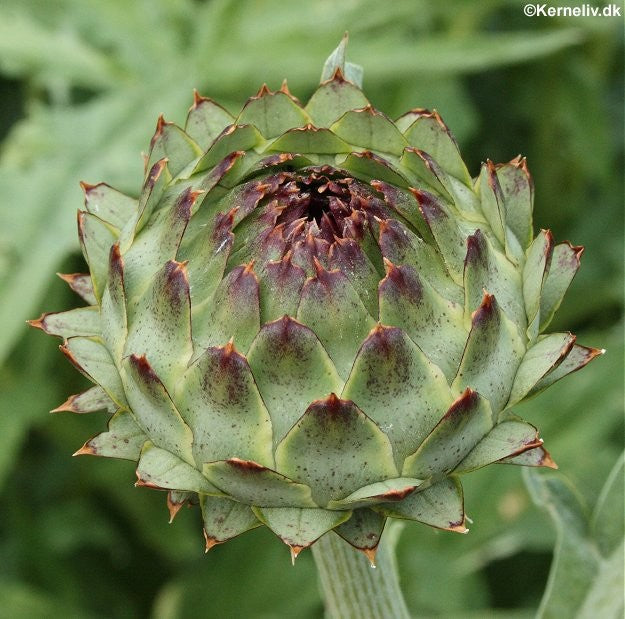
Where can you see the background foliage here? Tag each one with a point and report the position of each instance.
(81, 85)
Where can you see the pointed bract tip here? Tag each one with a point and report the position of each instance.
(388, 265)
(87, 187)
(295, 550)
(338, 75)
(173, 507)
(160, 124)
(486, 307)
(198, 98)
(263, 91)
(67, 406)
(515, 161)
(37, 323)
(210, 541)
(285, 88)
(249, 267)
(370, 554)
(378, 329)
(196, 193)
(85, 450)
(229, 348)
(519, 162)
(492, 168)
(142, 366)
(179, 267)
(319, 270)
(548, 461)
(333, 400)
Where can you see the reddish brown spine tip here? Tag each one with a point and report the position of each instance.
(263, 91)
(516, 161)
(547, 460)
(160, 124)
(37, 323)
(173, 507)
(388, 265)
(370, 554)
(194, 195)
(198, 98)
(249, 267)
(228, 349)
(210, 541)
(319, 270)
(157, 169)
(338, 75)
(116, 262)
(85, 450)
(67, 406)
(485, 310)
(578, 250)
(595, 352)
(383, 225)
(86, 187)
(177, 269)
(333, 400)
(377, 330)
(295, 550)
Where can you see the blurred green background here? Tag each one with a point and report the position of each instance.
(81, 85)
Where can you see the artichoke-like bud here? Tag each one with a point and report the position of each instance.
(313, 318)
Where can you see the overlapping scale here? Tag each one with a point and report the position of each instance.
(313, 318)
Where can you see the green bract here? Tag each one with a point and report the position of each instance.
(313, 318)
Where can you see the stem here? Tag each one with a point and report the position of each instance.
(352, 588)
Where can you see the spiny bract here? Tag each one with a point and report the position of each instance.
(313, 318)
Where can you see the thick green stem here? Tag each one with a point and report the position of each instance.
(352, 588)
